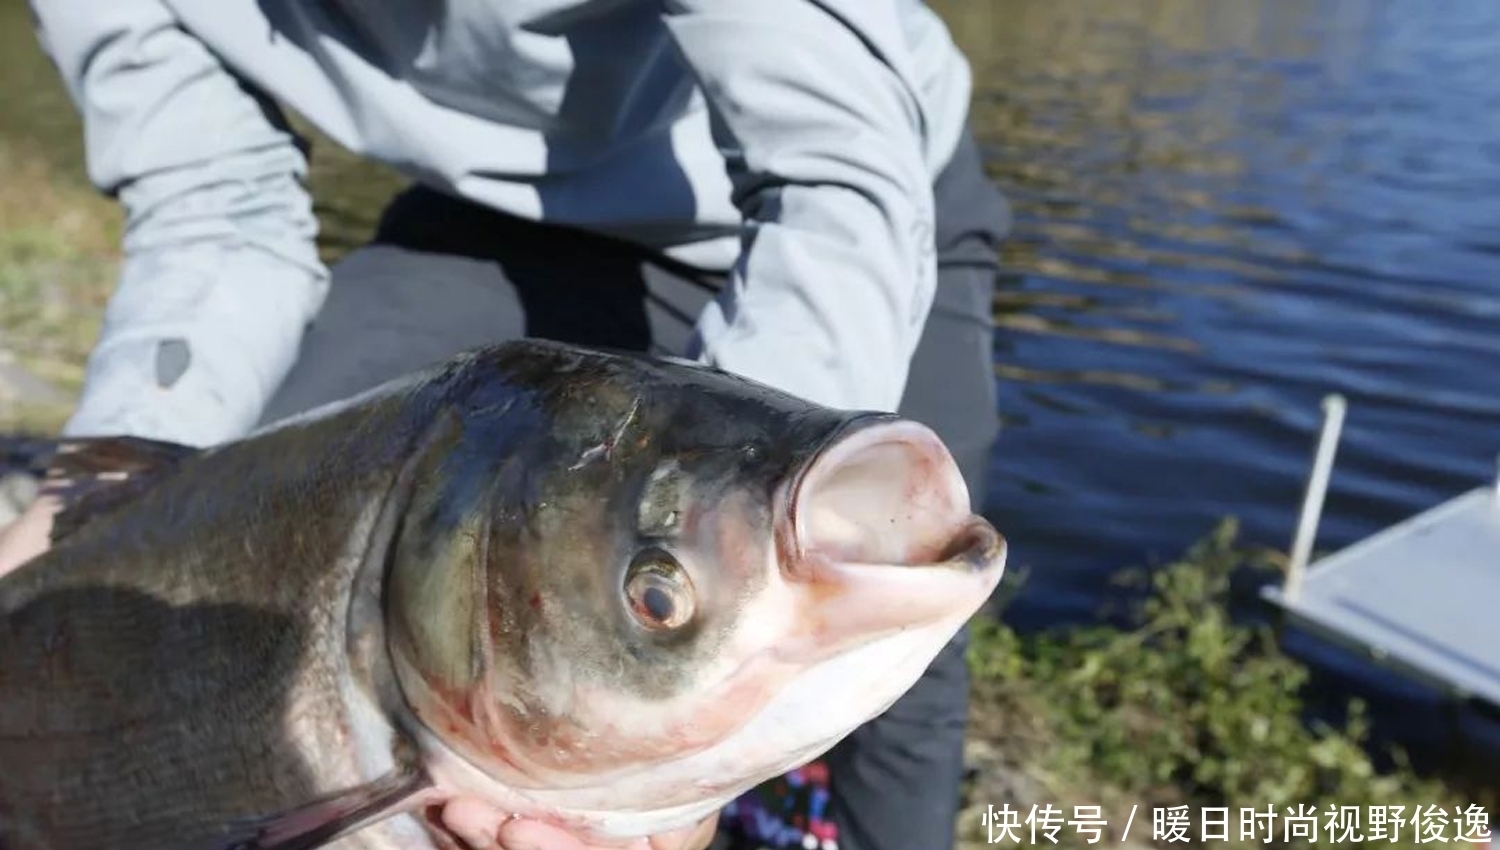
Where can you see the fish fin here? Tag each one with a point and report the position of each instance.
(93, 475)
(323, 821)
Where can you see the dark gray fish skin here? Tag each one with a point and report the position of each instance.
(183, 660)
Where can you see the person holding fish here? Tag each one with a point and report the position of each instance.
(784, 189)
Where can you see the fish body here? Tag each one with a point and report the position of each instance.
(605, 591)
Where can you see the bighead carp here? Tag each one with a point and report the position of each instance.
(605, 591)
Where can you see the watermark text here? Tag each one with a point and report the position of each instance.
(1047, 824)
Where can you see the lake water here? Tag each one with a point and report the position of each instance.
(1224, 211)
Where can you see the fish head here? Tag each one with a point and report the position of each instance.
(631, 589)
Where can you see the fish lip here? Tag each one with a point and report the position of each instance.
(977, 547)
(971, 565)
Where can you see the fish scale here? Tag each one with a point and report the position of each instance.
(350, 627)
(117, 615)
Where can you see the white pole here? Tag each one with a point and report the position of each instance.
(1317, 489)
(1497, 479)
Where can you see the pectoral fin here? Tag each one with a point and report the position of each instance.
(93, 475)
(323, 821)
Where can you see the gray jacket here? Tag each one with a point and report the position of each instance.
(792, 142)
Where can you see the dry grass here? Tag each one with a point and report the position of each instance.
(59, 252)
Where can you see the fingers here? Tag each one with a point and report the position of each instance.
(29, 535)
(524, 834)
(483, 827)
(695, 837)
(473, 822)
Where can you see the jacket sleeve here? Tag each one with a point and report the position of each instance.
(220, 272)
(814, 104)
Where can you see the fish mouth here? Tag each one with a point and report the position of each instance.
(881, 517)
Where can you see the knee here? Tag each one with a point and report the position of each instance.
(940, 698)
(928, 722)
(897, 781)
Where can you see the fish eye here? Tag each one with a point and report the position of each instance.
(659, 591)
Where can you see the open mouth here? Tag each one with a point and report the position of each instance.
(878, 536)
(887, 493)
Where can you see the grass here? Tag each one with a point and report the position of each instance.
(60, 254)
(1184, 708)
(59, 251)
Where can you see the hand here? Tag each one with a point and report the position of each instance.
(483, 828)
(29, 535)
(536, 835)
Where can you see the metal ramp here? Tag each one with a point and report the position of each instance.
(1421, 598)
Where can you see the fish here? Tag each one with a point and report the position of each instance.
(601, 590)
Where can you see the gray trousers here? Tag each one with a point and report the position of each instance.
(443, 275)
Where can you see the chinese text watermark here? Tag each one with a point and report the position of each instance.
(1043, 824)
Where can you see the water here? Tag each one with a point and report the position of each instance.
(1224, 211)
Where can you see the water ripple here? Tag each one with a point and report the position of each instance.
(1224, 211)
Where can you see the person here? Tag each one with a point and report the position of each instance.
(786, 189)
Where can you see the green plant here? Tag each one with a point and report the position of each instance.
(1185, 708)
